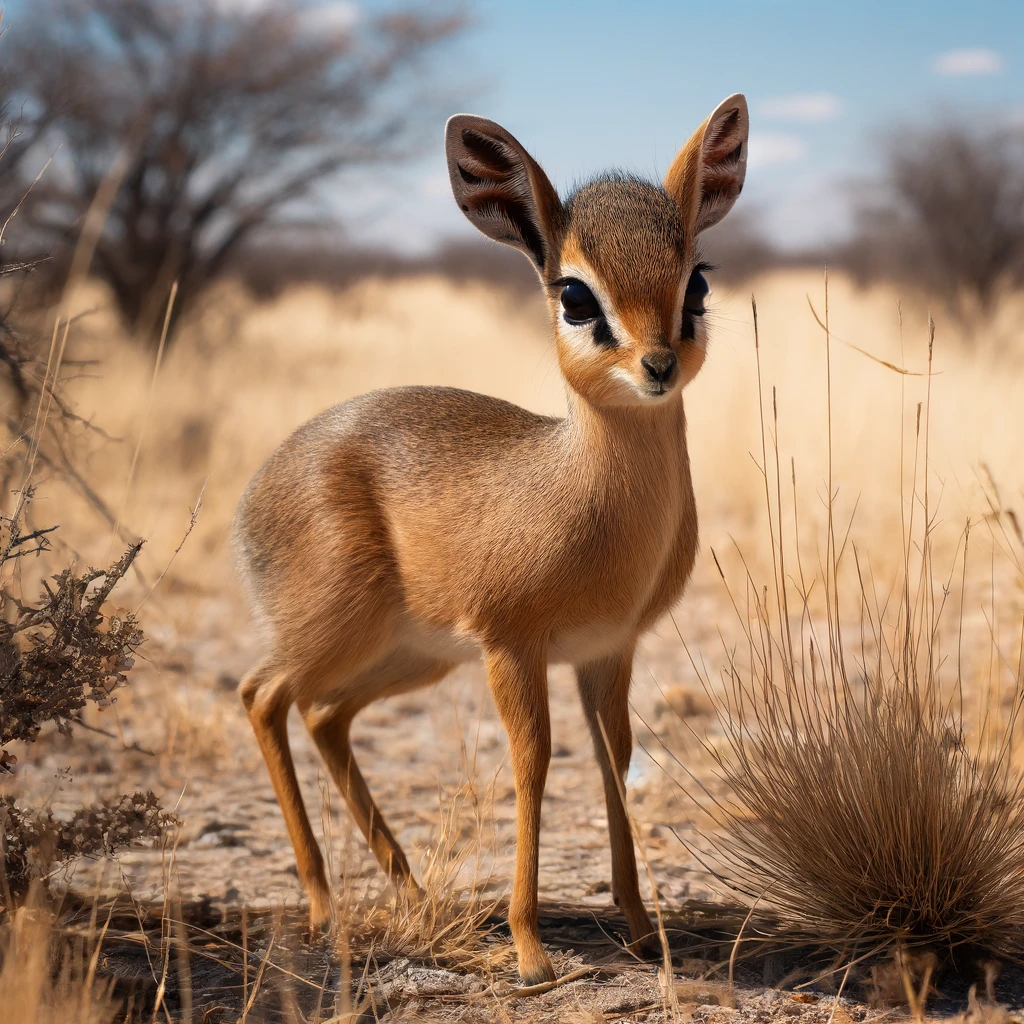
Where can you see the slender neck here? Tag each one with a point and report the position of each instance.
(624, 428)
(603, 444)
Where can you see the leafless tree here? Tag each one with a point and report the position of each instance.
(219, 118)
(947, 212)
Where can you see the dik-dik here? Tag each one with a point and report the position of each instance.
(408, 530)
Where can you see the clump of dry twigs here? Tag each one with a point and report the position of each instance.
(35, 842)
(860, 810)
(57, 655)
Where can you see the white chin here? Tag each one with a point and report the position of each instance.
(656, 396)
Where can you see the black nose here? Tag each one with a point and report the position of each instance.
(660, 364)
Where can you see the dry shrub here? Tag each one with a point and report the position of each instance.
(63, 652)
(35, 843)
(859, 809)
(946, 213)
(55, 657)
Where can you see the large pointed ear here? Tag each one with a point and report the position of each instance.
(707, 174)
(501, 188)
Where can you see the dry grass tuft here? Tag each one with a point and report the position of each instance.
(446, 923)
(866, 819)
(858, 809)
(49, 979)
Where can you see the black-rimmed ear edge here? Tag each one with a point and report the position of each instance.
(501, 189)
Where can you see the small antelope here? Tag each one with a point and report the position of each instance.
(411, 529)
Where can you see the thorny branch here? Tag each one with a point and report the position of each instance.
(60, 654)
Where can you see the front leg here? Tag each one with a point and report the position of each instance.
(604, 692)
(518, 681)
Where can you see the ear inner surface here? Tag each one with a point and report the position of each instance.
(707, 175)
(501, 189)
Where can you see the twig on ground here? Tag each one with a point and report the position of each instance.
(533, 990)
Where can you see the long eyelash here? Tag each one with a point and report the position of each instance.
(703, 264)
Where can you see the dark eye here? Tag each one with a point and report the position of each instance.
(578, 303)
(696, 290)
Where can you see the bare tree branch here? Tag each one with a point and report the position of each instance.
(246, 112)
(947, 212)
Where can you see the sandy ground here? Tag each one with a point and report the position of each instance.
(437, 761)
(419, 751)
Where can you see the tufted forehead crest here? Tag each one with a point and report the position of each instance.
(628, 229)
(639, 211)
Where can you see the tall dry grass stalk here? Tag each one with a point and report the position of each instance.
(866, 806)
(47, 978)
(446, 923)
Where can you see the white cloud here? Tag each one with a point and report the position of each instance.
(244, 7)
(771, 149)
(436, 184)
(815, 106)
(338, 16)
(803, 210)
(330, 16)
(973, 61)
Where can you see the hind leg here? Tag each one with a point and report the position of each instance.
(267, 696)
(330, 726)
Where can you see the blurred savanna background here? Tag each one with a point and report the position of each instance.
(220, 217)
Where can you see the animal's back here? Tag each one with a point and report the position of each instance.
(326, 504)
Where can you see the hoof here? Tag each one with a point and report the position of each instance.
(320, 918)
(647, 947)
(536, 973)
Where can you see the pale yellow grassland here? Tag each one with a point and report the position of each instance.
(240, 376)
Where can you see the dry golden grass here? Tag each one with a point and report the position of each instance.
(240, 377)
(47, 979)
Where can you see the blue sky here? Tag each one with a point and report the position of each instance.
(591, 85)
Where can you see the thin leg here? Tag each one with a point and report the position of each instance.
(330, 726)
(266, 695)
(604, 692)
(518, 681)
(330, 731)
